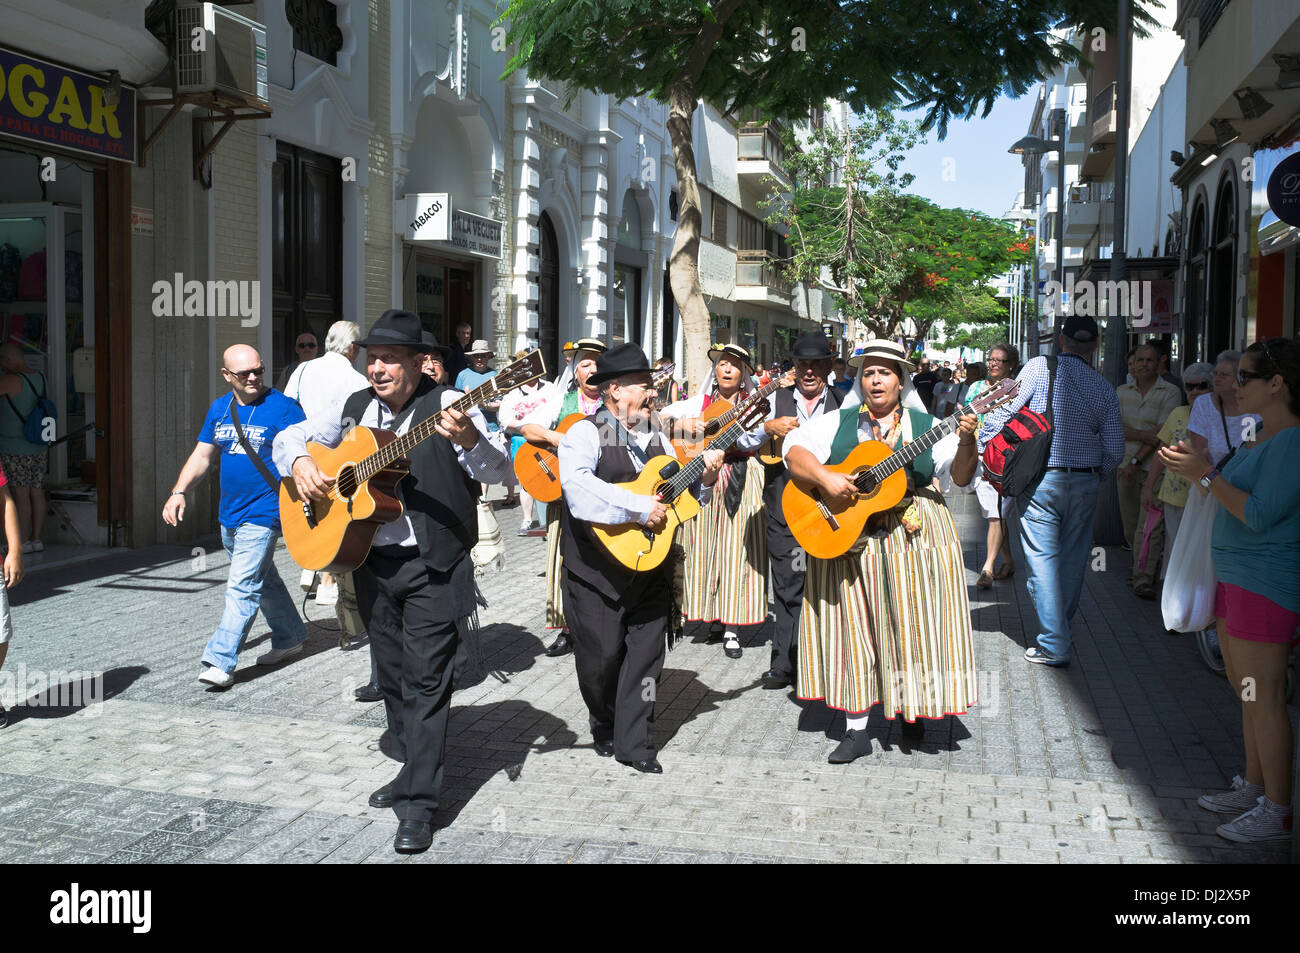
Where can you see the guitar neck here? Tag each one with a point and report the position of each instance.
(681, 481)
(725, 418)
(422, 431)
(900, 458)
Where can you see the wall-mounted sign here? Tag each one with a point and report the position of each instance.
(428, 215)
(52, 105)
(1284, 190)
(475, 234)
(141, 221)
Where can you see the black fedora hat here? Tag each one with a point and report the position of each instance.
(812, 346)
(400, 329)
(617, 361)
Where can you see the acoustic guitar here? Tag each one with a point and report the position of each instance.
(720, 413)
(828, 528)
(538, 468)
(334, 534)
(640, 548)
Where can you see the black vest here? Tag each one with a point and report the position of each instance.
(438, 494)
(583, 555)
(778, 474)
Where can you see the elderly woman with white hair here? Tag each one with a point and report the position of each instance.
(888, 623)
(1216, 428)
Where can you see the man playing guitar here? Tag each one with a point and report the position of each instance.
(618, 618)
(416, 588)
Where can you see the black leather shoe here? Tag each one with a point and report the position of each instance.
(914, 730)
(648, 766)
(383, 797)
(413, 837)
(732, 649)
(4, 714)
(774, 679)
(389, 746)
(854, 746)
(604, 748)
(368, 693)
(561, 646)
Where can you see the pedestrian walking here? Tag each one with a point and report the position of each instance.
(416, 587)
(237, 435)
(1003, 363)
(619, 618)
(24, 461)
(10, 574)
(1256, 546)
(305, 348)
(888, 622)
(1057, 513)
(1144, 406)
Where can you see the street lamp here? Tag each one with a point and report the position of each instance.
(1033, 146)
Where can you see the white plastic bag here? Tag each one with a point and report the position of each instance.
(1188, 598)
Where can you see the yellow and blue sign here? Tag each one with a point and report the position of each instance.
(45, 103)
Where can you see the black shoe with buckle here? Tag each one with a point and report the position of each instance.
(731, 647)
(561, 646)
(646, 766)
(776, 680)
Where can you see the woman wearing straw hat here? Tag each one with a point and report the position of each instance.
(888, 622)
(726, 545)
(572, 394)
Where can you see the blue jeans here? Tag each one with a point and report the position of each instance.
(1056, 521)
(253, 584)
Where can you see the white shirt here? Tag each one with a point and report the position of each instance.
(816, 437)
(484, 463)
(324, 383)
(592, 499)
(518, 406)
(1204, 420)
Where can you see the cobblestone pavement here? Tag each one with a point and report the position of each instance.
(1099, 763)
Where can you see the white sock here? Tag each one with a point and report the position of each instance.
(730, 635)
(856, 722)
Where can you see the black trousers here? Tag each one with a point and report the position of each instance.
(413, 648)
(618, 650)
(787, 597)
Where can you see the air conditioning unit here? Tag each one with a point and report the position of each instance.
(219, 51)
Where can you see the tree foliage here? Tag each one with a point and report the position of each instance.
(950, 57)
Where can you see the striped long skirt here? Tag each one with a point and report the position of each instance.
(726, 557)
(892, 624)
(554, 598)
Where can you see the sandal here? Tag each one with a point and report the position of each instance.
(1005, 573)
(985, 581)
(1144, 590)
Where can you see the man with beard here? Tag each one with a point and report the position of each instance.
(416, 587)
(810, 397)
(618, 618)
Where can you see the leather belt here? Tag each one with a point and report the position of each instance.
(1076, 469)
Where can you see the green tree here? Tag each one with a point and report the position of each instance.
(974, 319)
(954, 58)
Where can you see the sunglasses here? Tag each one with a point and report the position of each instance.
(245, 375)
(1243, 376)
(1196, 385)
(306, 345)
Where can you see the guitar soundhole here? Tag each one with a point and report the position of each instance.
(867, 487)
(346, 483)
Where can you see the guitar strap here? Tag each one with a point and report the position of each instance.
(258, 462)
(623, 436)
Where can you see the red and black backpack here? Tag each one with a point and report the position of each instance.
(1016, 458)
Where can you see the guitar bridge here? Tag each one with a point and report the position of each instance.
(824, 510)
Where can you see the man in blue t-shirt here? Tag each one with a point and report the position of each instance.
(249, 516)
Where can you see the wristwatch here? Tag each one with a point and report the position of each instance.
(1209, 476)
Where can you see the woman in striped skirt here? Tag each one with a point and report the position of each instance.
(888, 623)
(726, 545)
(571, 396)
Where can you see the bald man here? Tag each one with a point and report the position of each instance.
(249, 514)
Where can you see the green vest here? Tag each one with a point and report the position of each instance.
(846, 438)
(568, 406)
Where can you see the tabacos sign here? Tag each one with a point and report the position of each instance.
(45, 103)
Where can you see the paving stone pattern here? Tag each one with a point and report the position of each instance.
(1098, 763)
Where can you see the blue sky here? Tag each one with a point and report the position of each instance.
(971, 168)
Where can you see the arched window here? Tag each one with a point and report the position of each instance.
(1194, 318)
(629, 224)
(1222, 253)
(548, 292)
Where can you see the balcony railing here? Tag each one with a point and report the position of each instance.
(1091, 192)
(1102, 103)
(757, 267)
(1207, 16)
(760, 142)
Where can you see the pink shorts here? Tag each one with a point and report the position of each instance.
(1255, 618)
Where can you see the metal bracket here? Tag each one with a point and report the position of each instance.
(227, 107)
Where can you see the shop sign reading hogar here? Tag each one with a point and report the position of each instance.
(53, 105)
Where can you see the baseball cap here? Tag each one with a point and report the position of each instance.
(1080, 327)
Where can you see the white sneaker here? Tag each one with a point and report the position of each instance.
(327, 595)
(1267, 822)
(215, 676)
(276, 656)
(306, 579)
(38, 546)
(27, 547)
(1242, 796)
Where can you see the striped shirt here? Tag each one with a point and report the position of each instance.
(1086, 431)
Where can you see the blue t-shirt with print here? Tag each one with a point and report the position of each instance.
(245, 495)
